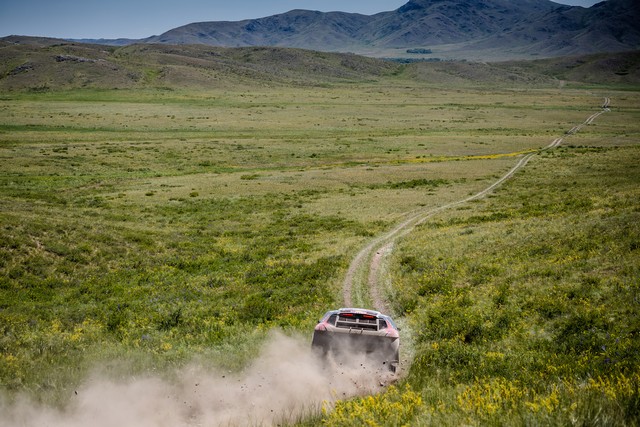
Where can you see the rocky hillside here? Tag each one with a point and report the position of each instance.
(37, 64)
(51, 64)
(458, 29)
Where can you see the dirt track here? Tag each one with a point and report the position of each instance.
(373, 256)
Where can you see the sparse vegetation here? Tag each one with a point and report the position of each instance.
(523, 306)
(420, 51)
(160, 224)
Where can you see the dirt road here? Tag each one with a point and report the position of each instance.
(362, 282)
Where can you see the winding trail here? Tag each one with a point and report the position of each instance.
(367, 265)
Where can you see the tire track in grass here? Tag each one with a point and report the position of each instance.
(362, 283)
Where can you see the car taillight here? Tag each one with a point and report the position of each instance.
(391, 332)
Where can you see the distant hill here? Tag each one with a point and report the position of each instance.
(451, 29)
(40, 64)
(52, 64)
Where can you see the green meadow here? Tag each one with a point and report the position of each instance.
(155, 227)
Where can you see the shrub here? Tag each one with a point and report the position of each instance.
(397, 406)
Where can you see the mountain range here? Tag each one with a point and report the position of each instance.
(423, 29)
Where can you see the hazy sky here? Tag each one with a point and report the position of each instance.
(143, 18)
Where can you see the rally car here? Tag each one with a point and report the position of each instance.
(355, 331)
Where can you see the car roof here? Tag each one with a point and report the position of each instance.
(358, 311)
(377, 314)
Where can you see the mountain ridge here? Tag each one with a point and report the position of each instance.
(451, 29)
(477, 30)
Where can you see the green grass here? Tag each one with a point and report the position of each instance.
(156, 227)
(524, 306)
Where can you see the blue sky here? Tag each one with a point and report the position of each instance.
(142, 18)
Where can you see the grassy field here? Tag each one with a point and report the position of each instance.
(156, 226)
(523, 306)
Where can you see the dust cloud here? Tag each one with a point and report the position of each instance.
(284, 384)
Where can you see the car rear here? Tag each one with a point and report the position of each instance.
(350, 332)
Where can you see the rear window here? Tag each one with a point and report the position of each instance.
(357, 320)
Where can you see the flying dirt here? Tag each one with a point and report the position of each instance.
(285, 382)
